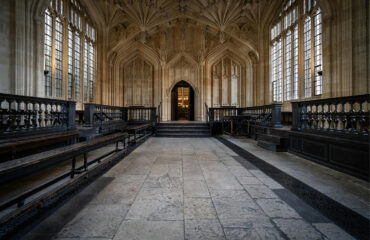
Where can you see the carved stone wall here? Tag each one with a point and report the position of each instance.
(138, 83)
(223, 47)
(226, 77)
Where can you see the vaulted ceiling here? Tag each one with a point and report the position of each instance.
(221, 20)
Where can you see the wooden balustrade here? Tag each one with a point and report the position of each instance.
(267, 115)
(141, 114)
(25, 115)
(346, 116)
(96, 114)
(217, 114)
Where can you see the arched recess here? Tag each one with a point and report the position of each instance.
(229, 77)
(137, 75)
(181, 67)
(134, 69)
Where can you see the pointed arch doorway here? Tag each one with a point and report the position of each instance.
(182, 102)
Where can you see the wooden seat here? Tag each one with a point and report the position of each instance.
(15, 145)
(12, 169)
(113, 126)
(135, 130)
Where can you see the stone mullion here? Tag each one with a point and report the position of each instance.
(53, 94)
(283, 40)
(65, 53)
(82, 59)
(312, 62)
(300, 51)
(292, 61)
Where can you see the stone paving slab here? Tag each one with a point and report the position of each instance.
(179, 188)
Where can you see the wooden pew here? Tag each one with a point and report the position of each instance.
(20, 167)
(23, 206)
(138, 132)
(12, 147)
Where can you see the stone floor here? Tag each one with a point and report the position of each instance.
(350, 191)
(185, 188)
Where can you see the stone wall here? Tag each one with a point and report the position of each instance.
(225, 65)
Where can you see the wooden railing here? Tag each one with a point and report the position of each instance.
(267, 115)
(96, 114)
(346, 116)
(25, 115)
(217, 114)
(140, 114)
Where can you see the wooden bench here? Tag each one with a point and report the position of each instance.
(19, 167)
(135, 130)
(240, 123)
(112, 126)
(11, 147)
(26, 204)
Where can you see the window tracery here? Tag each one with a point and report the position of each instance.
(285, 47)
(68, 27)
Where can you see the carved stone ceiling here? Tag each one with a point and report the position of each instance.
(143, 20)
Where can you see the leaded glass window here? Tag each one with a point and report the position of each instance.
(285, 47)
(74, 79)
(48, 52)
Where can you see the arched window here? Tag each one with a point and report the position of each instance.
(69, 35)
(285, 48)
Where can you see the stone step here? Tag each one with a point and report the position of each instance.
(163, 130)
(182, 134)
(182, 125)
(183, 129)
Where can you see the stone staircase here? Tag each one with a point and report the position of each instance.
(273, 140)
(183, 129)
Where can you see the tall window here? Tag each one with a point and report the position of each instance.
(89, 62)
(48, 52)
(307, 56)
(70, 63)
(276, 74)
(66, 20)
(288, 82)
(58, 57)
(318, 52)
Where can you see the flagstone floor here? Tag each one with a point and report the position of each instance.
(185, 188)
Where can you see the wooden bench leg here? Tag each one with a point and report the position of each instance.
(73, 167)
(85, 161)
(20, 203)
(117, 146)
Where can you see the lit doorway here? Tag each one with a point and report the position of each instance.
(182, 102)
